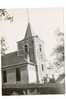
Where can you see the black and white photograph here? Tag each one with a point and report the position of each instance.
(32, 51)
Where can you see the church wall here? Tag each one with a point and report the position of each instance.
(40, 58)
(21, 48)
(11, 76)
(24, 75)
(31, 74)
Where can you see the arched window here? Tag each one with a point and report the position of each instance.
(26, 48)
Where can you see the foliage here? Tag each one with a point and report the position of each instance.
(59, 50)
(4, 14)
(3, 46)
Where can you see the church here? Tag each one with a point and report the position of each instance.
(27, 71)
(27, 64)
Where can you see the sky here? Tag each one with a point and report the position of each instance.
(45, 22)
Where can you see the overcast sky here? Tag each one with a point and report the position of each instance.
(45, 22)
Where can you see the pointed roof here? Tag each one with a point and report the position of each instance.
(28, 31)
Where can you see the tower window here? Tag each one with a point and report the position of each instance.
(42, 67)
(26, 48)
(18, 76)
(4, 76)
(40, 48)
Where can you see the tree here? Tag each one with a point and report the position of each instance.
(59, 50)
(4, 14)
(3, 46)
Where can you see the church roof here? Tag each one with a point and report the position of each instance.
(11, 59)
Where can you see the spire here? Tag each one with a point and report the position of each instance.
(29, 29)
(28, 18)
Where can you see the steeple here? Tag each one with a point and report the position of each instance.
(28, 30)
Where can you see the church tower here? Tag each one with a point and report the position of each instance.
(31, 48)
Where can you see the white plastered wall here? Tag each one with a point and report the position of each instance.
(31, 74)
